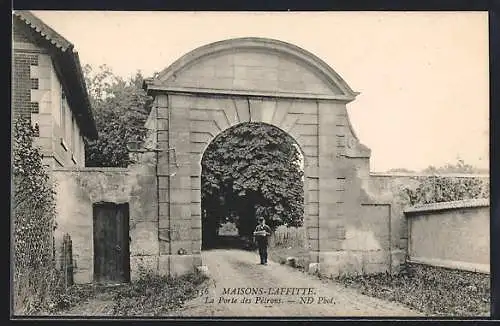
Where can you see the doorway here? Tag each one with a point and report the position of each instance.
(111, 243)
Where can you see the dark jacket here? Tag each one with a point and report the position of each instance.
(261, 239)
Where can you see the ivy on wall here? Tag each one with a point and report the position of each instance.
(436, 189)
(33, 216)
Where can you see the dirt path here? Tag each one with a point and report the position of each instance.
(231, 269)
(101, 305)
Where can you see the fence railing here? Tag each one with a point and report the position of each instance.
(289, 237)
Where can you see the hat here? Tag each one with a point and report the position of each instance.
(261, 219)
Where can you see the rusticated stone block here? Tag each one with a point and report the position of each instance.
(180, 211)
(180, 196)
(183, 247)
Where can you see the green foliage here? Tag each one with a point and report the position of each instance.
(39, 291)
(459, 167)
(33, 214)
(120, 109)
(432, 290)
(154, 295)
(252, 169)
(33, 200)
(442, 189)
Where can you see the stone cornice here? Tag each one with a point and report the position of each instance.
(152, 88)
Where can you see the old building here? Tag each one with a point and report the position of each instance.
(123, 221)
(151, 212)
(49, 88)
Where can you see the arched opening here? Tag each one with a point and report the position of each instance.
(251, 169)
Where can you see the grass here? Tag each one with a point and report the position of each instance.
(38, 291)
(432, 290)
(280, 254)
(150, 295)
(154, 295)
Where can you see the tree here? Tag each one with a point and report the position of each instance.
(120, 108)
(252, 169)
(459, 167)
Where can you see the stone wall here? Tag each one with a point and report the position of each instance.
(220, 85)
(387, 187)
(252, 70)
(451, 234)
(344, 225)
(78, 189)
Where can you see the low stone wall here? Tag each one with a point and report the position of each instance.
(77, 191)
(450, 234)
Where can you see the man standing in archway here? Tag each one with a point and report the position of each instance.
(261, 233)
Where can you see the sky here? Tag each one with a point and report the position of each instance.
(423, 77)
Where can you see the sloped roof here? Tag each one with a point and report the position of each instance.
(44, 30)
(68, 67)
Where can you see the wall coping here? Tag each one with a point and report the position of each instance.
(469, 203)
(405, 174)
(90, 169)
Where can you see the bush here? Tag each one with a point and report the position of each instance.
(33, 214)
(436, 189)
(155, 295)
(37, 291)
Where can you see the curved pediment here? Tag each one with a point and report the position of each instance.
(256, 65)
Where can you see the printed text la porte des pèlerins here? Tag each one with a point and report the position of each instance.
(250, 295)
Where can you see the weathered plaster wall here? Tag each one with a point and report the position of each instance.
(452, 234)
(387, 188)
(78, 189)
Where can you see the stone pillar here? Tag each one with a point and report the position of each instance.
(174, 188)
(331, 148)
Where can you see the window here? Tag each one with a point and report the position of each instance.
(69, 127)
(73, 136)
(55, 98)
(76, 142)
(82, 150)
(64, 120)
(62, 113)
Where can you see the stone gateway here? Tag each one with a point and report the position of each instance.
(202, 94)
(226, 83)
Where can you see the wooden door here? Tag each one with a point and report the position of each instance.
(111, 243)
